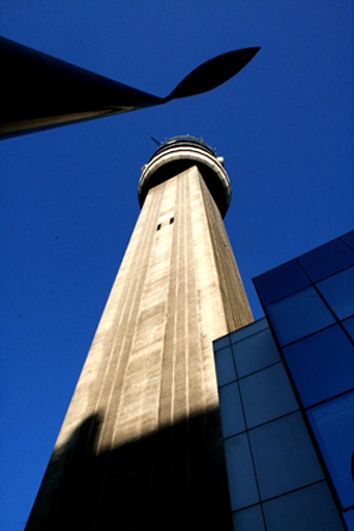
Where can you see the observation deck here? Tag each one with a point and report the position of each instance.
(179, 153)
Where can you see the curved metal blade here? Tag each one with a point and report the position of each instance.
(213, 73)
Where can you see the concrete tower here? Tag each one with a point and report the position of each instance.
(140, 446)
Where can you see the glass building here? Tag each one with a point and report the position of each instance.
(286, 390)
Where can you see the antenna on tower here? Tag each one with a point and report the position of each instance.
(156, 141)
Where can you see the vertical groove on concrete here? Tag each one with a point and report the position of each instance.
(128, 328)
(237, 310)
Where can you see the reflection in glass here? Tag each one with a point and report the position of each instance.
(230, 409)
(267, 395)
(225, 369)
(333, 424)
(255, 352)
(298, 315)
(242, 481)
(310, 509)
(281, 281)
(327, 259)
(284, 456)
(338, 291)
(322, 365)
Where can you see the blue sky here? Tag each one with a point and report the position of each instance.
(68, 196)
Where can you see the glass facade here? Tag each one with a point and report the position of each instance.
(338, 292)
(298, 315)
(275, 477)
(326, 260)
(333, 425)
(281, 281)
(322, 365)
(313, 325)
(308, 509)
(286, 389)
(349, 327)
(255, 353)
(266, 395)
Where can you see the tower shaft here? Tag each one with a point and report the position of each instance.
(140, 446)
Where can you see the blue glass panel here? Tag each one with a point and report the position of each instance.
(327, 259)
(225, 369)
(242, 481)
(255, 352)
(322, 365)
(250, 519)
(249, 330)
(298, 315)
(349, 326)
(280, 281)
(266, 395)
(349, 238)
(231, 412)
(284, 456)
(310, 509)
(333, 424)
(221, 342)
(349, 519)
(339, 292)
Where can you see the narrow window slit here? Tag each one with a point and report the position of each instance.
(172, 220)
(158, 226)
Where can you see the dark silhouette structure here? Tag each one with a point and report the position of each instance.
(39, 91)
